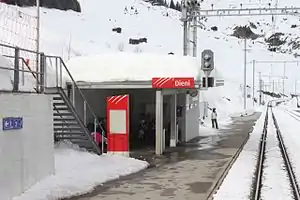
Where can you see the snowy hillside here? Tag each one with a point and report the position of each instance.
(90, 32)
(70, 34)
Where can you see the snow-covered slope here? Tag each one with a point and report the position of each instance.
(90, 32)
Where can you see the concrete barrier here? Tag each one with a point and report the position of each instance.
(27, 150)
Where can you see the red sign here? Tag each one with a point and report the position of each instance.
(170, 83)
(117, 124)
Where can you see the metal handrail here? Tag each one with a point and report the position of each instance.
(20, 70)
(81, 94)
(21, 49)
(23, 61)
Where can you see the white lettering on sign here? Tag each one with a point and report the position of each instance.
(179, 83)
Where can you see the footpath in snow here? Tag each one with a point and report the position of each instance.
(78, 172)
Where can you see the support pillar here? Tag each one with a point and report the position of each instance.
(159, 123)
(173, 119)
(183, 118)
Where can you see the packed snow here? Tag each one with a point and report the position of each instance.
(78, 172)
(5, 75)
(89, 33)
(289, 127)
(27, 81)
(275, 178)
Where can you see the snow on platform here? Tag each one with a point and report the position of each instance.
(5, 75)
(123, 66)
(27, 81)
(237, 183)
(289, 128)
(79, 172)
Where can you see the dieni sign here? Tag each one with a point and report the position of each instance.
(173, 83)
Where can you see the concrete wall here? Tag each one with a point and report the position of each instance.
(27, 155)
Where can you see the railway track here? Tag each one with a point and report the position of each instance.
(259, 179)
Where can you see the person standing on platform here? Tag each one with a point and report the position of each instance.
(214, 120)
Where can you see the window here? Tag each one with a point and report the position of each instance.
(117, 121)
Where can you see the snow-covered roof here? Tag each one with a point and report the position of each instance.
(123, 66)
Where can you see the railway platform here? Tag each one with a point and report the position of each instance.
(191, 172)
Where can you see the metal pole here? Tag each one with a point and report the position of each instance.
(273, 84)
(245, 73)
(84, 113)
(206, 80)
(253, 82)
(185, 41)
(37, 36)
(195, 36)
(185, 28)
(73, 94)
(16, 70)
(102, 141)
(260, 88)
(282, 86)
(295, 86)
(283, 78)
(42, 75)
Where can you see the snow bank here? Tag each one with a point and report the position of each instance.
(289, 128)
(5, 75)
(27, 81)
(228, 100)
(123, 66)
(78, 172)
(241, 172)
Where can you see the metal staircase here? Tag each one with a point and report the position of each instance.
(51, 77)
(67, 123)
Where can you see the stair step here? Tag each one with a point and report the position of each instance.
(51, 90)
(83, 143)
(64, 119)
(57, 98)
(63, 114)
(60, 108)
(59, 104)
(76, 138)
(67, 123)
(65, 128)
(69, 133)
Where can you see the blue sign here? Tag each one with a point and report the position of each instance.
(12, 123)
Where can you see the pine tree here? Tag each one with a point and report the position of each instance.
(172, 5)
(178, 6)
(161, 2)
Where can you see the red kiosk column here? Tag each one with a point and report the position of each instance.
(118, 125)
